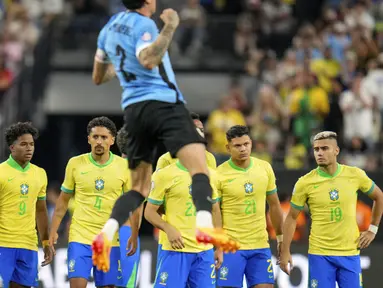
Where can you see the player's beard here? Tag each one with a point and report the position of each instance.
(99, 151)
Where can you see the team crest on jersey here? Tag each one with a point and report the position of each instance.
(334, 195)
(223, 273)
(99, 184)
(146, 37)
(163, 278)
(71, 265)
(314, 283)
(248, 188)
(24, 189)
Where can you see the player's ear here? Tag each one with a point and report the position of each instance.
(113, 140)
(337, 150)
(228, 148)
(89, 139)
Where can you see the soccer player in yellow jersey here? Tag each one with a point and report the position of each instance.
(184, 261)
(246, 183)
(166, 160)
(22, 206)
(330, 192)
(97, 179)
(128, 236)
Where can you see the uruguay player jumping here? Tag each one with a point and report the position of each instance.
(130, 47)
(330, 192)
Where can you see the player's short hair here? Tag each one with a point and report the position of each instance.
(19, 129)
(133, 4)
(122, 139)
(102, 122)
(236, 132)
(325, 135)
(194, 116)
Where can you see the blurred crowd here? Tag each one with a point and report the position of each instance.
(21, 22)
(330, 78)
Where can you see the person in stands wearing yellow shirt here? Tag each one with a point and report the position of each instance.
(166, 160)
(246, 183)
(330, 192)
(97, 178)
(129, 242)
(194, 262)
(22, 206)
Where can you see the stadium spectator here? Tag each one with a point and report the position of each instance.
(6, 76)
(260, 151)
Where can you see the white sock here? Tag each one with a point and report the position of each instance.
(204, 219)
(110, 228)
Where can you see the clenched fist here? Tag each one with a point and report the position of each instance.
(170, 17)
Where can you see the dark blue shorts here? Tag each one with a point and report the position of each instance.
(129, 264)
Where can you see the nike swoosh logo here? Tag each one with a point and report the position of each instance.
(230, 180)
(10, 179)
(82, 173)
(316, 186)
(119, 277)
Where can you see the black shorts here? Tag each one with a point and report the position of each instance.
(149, 123)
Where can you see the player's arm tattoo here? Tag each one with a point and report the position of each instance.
(102, 73)
(152, 56)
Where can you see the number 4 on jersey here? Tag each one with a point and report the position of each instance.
(127, 76)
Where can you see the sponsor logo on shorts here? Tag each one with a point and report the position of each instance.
(71, 265)
(163, 278)
(223, 273)
(314, 283)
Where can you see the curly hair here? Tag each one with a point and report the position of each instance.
(133, 4)
(122, 139)
(13, 132)
(236, 132)
(102, 122)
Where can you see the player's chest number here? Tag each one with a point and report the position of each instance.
(127, 76)
(98, 202)
(22, 208)
(250, 206)
(190, 209)
(336, 214)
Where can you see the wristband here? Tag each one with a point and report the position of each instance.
(280, 238)
(373, 229)
(45, 243)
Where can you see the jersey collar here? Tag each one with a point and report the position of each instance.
(111, 156)
(179, 165)
(231, 163)
(325, 175)
(11, 162)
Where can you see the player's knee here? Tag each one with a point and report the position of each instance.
(193, 157)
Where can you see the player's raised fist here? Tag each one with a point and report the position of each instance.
(170, 17)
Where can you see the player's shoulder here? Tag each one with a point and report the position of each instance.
(308, 177)
(79, 159)
(352, 171)
(224, 167)
(166, 171)
(165, 156)
(38, 169)
(261, 163)
(119, 160)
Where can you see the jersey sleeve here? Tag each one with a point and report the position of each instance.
(214, 186)
(162, 162)
(146, 34)
(101, 55)
(69, 182)
(299, 196)
(271, 186)
(43, 191)
(158, 189)
(366, 185)
(211, 162)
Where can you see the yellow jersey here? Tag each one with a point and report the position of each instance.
(171, 187)
(20, 188)
(96, 188)
(166, 160)
(243, 194)
(332, 203)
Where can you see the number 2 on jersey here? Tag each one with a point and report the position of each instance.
(251, 207)
(127, 76)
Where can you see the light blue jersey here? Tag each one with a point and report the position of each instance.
(120, 43)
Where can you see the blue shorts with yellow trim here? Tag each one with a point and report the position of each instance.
(80, 265)
(255, 264)
(181, 269)
(324, 271)
(19, 266)
(129, 264)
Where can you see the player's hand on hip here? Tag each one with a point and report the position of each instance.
(286, 262)
(365, 239)
(175, 237)
(170, 17)
(48, 255)
(132, 245)
(218, 257)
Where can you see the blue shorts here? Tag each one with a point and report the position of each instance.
(129, 264)
(80, 264)
(324, 271)
(255, 264)
(179, 269)
(159, 255)
(19, 266)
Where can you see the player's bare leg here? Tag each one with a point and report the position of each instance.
(15, 285)
(193, 158)
(78, 283)
(123, 208)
